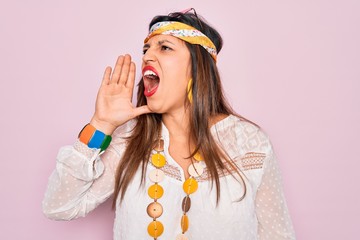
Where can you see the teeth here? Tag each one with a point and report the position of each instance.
(149, 72)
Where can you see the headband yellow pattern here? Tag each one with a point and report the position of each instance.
(184, 32)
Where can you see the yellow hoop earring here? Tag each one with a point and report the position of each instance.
(189, 90)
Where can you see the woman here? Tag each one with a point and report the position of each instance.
(182, 164)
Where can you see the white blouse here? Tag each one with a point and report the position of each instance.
(83, 179)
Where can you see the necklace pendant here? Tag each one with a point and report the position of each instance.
(156, 175)
(155, 229)
(158, 160)
(196, 169)
(159, 145)
(190, 185)
(154, 210)
(186, 204)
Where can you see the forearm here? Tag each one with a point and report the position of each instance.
(76, 185)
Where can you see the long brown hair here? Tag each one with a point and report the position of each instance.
(208, 102)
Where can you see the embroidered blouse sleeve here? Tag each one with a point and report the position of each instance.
(82, 178)
(271, 209)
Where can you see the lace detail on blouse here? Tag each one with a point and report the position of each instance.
(248, 162)
(251, 160)
(172, 171)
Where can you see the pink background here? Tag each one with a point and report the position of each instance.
(293, 67)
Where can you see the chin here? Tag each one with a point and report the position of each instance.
(155, 108)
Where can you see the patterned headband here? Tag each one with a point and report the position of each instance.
(184, 32)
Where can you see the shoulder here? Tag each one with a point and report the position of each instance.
(245, 143)
(240, 136)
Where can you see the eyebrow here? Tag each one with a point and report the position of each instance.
(158, 43)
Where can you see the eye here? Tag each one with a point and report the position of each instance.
(165, 48)
(144, 50)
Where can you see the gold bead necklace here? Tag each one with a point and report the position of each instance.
(155, 192)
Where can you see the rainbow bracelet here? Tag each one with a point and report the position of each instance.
(94, 138)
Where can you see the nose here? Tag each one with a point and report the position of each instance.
(149, 56)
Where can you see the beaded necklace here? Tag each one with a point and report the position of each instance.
(155, 191)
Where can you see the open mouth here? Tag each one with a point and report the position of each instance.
(151, 81)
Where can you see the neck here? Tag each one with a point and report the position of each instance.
(177, 123)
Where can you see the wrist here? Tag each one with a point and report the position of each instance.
(103, 126)
(94, 138)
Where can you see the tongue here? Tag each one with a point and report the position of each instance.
(152, 81)
(152, 84)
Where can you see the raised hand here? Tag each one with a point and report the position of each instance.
(113, 104)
